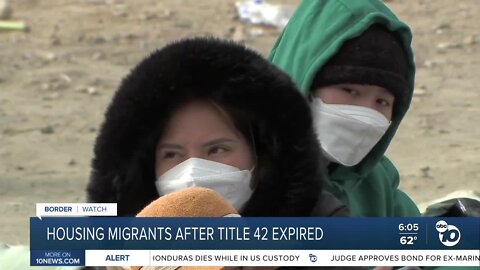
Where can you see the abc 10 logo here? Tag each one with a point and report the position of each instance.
(449, 235)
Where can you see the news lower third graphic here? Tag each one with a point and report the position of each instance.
(76, 209)
(62, 235)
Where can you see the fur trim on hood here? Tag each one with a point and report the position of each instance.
(288, 174)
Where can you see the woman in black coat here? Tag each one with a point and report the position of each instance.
(148, 141)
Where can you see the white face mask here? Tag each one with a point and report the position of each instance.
(230, 182)
(347, 133)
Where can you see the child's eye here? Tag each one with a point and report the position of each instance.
(217, 150)
(383, 102)
(351, 91)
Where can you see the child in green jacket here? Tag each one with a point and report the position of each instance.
(354, 62)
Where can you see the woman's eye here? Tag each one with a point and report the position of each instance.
(170, 155)
(217, 150)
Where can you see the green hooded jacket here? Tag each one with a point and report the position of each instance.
(313, 35)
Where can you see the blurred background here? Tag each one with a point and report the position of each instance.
(61, 61)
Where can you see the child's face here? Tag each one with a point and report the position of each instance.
(371, 96)
(201, 130)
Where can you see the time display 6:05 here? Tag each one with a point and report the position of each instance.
(409, 227)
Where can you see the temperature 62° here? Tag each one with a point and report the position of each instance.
(408, 240)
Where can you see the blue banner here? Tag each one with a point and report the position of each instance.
(121, 233)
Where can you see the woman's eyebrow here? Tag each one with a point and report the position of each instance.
(218, 141)
(170, 146)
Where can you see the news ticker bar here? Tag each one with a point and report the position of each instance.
(256, 258)
(121, 233)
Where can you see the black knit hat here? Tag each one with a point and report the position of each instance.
(376, 57)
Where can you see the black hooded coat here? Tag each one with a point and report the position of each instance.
(288, 175)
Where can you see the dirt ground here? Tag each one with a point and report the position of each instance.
(57, 79)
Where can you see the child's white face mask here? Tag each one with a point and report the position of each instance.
(347, 133)
(230, 182)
